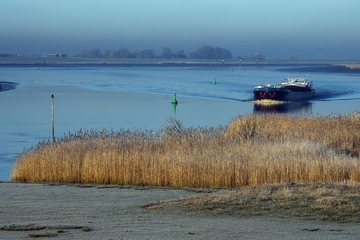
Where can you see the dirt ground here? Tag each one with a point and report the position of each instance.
(115, 212)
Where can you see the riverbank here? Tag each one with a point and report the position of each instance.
(5, 86)
(350, 66)
(39, 61)
(123, 212)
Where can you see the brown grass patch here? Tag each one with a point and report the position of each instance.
(327, 201)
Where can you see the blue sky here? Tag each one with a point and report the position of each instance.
(308, 29)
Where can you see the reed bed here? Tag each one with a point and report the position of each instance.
(251, 150)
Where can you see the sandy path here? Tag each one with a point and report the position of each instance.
(115, 213)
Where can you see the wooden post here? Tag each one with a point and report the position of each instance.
(52, 117)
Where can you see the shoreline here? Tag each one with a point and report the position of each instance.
(126, 212)
(349, 67)
(128, 62)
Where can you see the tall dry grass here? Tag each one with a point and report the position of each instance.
(251, 150)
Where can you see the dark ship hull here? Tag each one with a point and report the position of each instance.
(281, 94)
(292, 89)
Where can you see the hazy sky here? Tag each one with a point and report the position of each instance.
(308, 29)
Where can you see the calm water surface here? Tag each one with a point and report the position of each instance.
(140, 97)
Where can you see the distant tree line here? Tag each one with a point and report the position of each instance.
(204, 52)
(256, 56)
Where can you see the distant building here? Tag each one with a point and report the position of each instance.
(59, 55)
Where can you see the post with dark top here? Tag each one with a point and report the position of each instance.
(52, 116)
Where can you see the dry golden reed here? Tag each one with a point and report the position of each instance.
(251, 150)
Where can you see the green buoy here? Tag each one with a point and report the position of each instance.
(214, 81)
(174, 101)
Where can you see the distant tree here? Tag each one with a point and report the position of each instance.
(209, 52)
(222, 53)
(93, 53)
(204, 52)
(180, 54)
(122, 53)
(144, 53)
(165, 52)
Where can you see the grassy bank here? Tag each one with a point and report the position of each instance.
(251, 150)
(316, 201)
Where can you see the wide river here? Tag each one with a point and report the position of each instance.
(100, 97)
